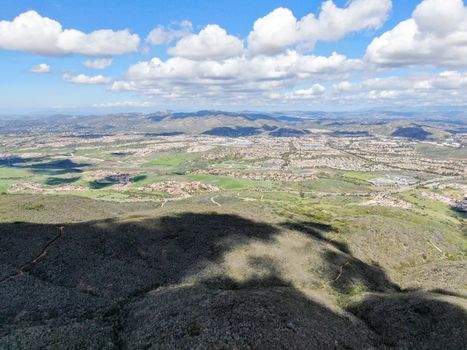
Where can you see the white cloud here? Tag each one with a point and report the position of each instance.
(343, 86)
(242, 79)
(280, 30)
(288, 66)
(415, 89)
(99, 63)
(313, 93)
(279, 89)
(261, 72)
(434, 35)
(86, 79)
(40, 68)
(212, 42)
(315, 90)
(274, 32)
(446, 80)
(165, 35)
(41, 35)
(412, 90)
(449, 80)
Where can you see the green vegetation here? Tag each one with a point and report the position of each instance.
(361, 175)
(32, 206)
(229, 183)
(171, 160)
(7, 172)
(433, 210)
(335, 185)
(193, 330)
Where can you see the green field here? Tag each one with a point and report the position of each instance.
(171, 160)
(335, 185)
(230, 183)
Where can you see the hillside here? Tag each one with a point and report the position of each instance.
(172, 278)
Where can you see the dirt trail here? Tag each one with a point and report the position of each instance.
(214, 201)
(23, 269)
(341, 271)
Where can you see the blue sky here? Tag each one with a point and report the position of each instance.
(261, 55)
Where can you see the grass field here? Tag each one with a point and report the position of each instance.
(230, 183)
(171, 160)
(361, 175)
(335, 185)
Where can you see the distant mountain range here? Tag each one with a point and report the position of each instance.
(419, 126)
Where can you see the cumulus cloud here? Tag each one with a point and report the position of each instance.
(280, 30)
(449, 80)
(434, 35)
(212, 42)
(414, 89)
(274, 32)
(290, 66)
(165, 35)
(99, 63)
(343, 86)
(238, 79)
(86, 79)
(214, 64)
(313, 93)
(315, 90)
(40, 68)
(34, 33)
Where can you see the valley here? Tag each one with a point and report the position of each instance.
(150, 234)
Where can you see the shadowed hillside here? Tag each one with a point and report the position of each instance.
(205, 281)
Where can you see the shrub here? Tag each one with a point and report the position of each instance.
(32, 206)
(193, 330)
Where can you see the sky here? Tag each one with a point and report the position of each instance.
(83, 56)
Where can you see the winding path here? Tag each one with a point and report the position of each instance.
(23, 269)
(214, 201)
